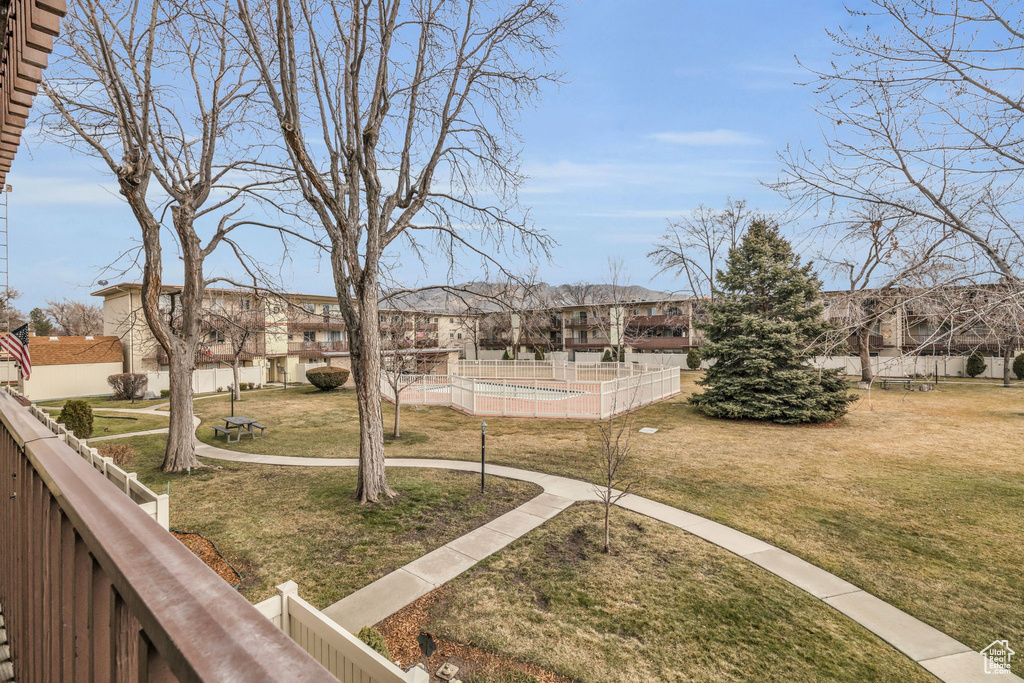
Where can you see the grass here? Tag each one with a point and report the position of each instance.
(279, 523)
(109, 423)
(106, 402)
(665, 606)
(919, 499)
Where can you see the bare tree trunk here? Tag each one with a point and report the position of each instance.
(366, 373)
(863, 341)
(237, 390)
(607, 527)
(1007, 365)
(181, 451)
(398, 413)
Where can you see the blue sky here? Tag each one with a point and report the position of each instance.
(667, 104)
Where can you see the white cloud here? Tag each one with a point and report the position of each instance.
(707, 138)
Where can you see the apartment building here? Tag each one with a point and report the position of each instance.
(656, 326)
(954, 322)
(279, 333)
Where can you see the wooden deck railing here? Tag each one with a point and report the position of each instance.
(94, 589)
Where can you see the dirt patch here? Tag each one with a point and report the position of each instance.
(402, 627)
(206, 551)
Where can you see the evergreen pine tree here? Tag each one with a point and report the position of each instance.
(760, 331)
(40, 323)
(975, 364)
(607, 357)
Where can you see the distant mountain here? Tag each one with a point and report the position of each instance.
(485, 296)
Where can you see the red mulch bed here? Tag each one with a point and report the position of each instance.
(205, 551)
(402, 627)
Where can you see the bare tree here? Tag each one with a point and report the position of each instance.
(616, 462)
(874, 253)
(694, 246)
(402, 366)
(10, 315)
(74, 318)
(234, 325)
(160, 94)
(399, 120)
(922, 117)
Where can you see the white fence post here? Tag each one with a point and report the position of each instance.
(287, 590)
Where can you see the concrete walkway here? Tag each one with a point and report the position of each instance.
(946, 658)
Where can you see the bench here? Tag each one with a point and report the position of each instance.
(257, 425)
(218, 430)
(905, 383)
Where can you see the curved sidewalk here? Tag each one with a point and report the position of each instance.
(943, 656)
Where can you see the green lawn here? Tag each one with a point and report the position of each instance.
(109, 423)
(281, 523)
(106, 402)
(665, 606)
(918, 499)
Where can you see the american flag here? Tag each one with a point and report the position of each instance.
(16, 344)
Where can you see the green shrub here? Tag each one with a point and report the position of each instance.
(375, 639)
(505, 355)
(124, 382)
(975, 364)
(165, 393)
(327, 378)
(693, 359)
(76, 416)
(251, 385)
(622, 354)
(123, 454)
(538, 353)
(1018, 366)
(607, 357)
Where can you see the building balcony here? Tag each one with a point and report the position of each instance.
(494, 342)
(426, 327)
(875, 342)
(589, 323)
(956, 343)
(217, 352)
(311, 349)
(661, 343)
(586, 344)
(304, 320)
(649, 321)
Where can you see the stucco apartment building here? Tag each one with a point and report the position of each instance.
(907, 324)
(278, 332)
(648, 326)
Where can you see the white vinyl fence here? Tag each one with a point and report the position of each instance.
(910, 366)
(345, 656)
(155, 505)
(205, 381)
(540, 388)
(301, 368)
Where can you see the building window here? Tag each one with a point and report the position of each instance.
(309, 336)
(460, 335)
(246, 304)
(451, 335)
(310, 308)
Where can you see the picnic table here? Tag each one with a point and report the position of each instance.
(237, 426)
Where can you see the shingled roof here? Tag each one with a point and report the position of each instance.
(75, 350)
